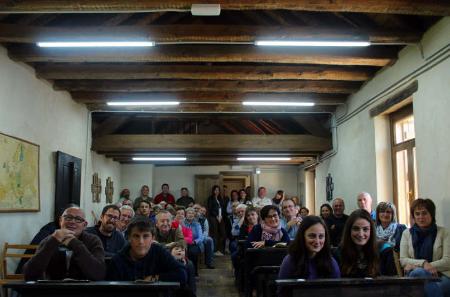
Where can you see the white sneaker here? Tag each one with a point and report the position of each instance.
(218, 254)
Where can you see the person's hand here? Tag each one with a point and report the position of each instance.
(333, 227)
(63, 234)
(67, 240)
(258, 244)
(428, 267)
(409, 267)
(152, 278)
(219, 218)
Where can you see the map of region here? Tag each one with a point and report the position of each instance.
(19, 175)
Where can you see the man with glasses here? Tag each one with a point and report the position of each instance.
(112, 240)
(337, 221)
(290, 220)
(69, 252)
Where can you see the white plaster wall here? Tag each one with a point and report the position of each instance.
(134, 176)
(31, 110)
(354, 166)
(272, 177)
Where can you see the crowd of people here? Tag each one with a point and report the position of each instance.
(162, 238)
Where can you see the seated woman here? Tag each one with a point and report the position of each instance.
(388, 230)
(309, 255)
(251, 219)
(425, 248)
(360, 255)
(326, 211)
(269, 232)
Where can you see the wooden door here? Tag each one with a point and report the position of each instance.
(68, 182)
(234, 184)
(203, 186)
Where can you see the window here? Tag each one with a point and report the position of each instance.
(404, 161)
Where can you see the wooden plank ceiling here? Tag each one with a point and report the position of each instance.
(210, 65)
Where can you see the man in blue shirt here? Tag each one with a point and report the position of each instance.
(290, 220)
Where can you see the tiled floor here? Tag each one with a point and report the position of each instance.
(217, 282)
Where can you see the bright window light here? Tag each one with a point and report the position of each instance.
(159, 158)
(97, 44)
(277, 103)
(142, 103)
(263, 159)
(310, 43)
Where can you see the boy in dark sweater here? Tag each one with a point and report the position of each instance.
(141, 259)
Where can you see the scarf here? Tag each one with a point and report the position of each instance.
(270, 233)
(388, 233)
(423, 241)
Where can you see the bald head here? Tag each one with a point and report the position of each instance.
(364, 201)
(74, 219)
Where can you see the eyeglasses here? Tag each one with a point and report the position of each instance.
(70, 218)
(112, 217)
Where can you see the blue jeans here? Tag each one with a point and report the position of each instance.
(208, 246)
(433, 289)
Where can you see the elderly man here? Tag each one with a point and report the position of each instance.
(290, 220)
(364, 201)
(165, 234)
(261, 201)
(69, 252)
(337, 221)
(126, 214)
(112, 240)
(165, 196)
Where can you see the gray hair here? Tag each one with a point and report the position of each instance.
(336, 199)
(127, 207)
(163, 211)
(241, 206)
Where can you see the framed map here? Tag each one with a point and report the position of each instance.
(19, 175)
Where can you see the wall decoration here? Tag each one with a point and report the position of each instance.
(109, 190)
(96, 188)
(330, 187)
(19, 175)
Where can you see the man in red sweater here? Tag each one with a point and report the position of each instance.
(164, 196)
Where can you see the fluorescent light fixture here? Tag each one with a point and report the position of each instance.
(205, 9)
(97, 44)
(263, 159)
(277, 103)
(159, 158)
(310, 43)
(142, 103)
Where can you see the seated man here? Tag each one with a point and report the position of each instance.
(126, 214)
(208, 243)
(112, 239)
(69, 252)
(143, 259)
(165, 234)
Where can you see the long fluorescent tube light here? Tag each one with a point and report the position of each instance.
(310, 43)
(277, 103)
(159, 158)
(97, 44)
(263, 159)
(142, 103)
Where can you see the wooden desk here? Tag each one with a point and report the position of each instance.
(345, 287)
(92, 289)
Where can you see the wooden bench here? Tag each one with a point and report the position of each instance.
(344, 287)
(256, 258)
(14, 251)
(10, 251)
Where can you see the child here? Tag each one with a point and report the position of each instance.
(179, 253)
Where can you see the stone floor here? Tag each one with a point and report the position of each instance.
(217, 282)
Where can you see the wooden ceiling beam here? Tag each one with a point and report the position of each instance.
(372, 56)
(205, 72)
(201, 33)
(249, 143)
(335, 87)
(418, 7)
(313, 126)
(89, 97)
(110, 125)
(208, 108)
